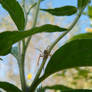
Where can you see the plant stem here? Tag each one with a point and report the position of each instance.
(22, 75)
(23, 5)
(34, 85)
(34, 20)
(21, 58)
(67, 31)
(31, 8)
(34, 23)
(21, 61)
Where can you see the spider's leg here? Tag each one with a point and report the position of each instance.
(39, 60)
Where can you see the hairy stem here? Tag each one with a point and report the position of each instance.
(34, 20)
(21, 58)
(67, 31)
(36, 82)
(22, 75)
(31, 8)
(34, 23)
(23, 5)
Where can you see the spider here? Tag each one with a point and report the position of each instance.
(44, 54)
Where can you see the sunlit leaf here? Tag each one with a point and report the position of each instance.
(82, 36)
(62, 11)
(90, 11)
(83, 73)
(15, 11)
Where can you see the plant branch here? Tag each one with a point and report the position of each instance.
(22, 76)
(31, 8)
(23, 4)
(67, 31)
(34, 85)
(34, 23)
(21, 61)
(34, 20)
(21, 57)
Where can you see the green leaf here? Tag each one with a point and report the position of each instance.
(82, 3)
(77, 53)
(90, 11)
(48, 28)
(56, 87)
(83, 73)
(7, 39)
(79, 90)
(8, 87)
(15, 11)
(62, 11)
(82, 36)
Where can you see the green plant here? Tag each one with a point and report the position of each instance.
(62, 59)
